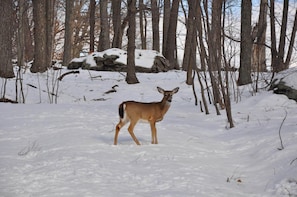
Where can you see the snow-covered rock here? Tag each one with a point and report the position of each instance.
(115, 59)
(285, 82)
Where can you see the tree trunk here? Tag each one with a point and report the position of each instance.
(155, 24)
(191, 27)
(29, 48)
(116, 21)
(68, 38)
(21, 34)
(43, 13)
(171, 53)
(50, 15)
(166, 20)
(245, 44)
(92, 24)
(142, 26)
(104, 32)
(259, 49)
(131, 75)
(6, 20)
(292, 41)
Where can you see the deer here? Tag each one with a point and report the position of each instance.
(133, 112)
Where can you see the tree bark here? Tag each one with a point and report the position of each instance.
(92, 24)
(171, 53)
(292, 41)
(116, 21)
(43, 13)
(6, 32)
(155, 24)
(245, 44)
(166, 20)
(68, 38)
(259, 48)
(142, 24)
(131, 75)
(104, 32)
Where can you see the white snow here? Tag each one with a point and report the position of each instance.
(289, 77)
(66, 149)
(143, 58)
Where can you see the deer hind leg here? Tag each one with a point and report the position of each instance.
(130, 129)
(118, 127)
(154, 132)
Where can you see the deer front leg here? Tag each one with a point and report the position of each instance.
(154, 132)
(130, 129)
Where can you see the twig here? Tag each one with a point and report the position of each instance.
(293, 161)
(71, 72)
(279, 132)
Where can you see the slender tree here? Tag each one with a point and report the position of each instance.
(166, 21)
(92, 24)
(155, 24)
(190, 45)
(142, 24)
(280, 60)
(68, 38)
(131, 75)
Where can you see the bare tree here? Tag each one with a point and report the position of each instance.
(245, 44)
(279, 61)
(166, 20)
(6, 21)
(155, 24)
(43, 15)
(104, 42)
(191, 43)
(131, 75)
(92, 24)
(142, 24)
(259, 38)
(116, 21)
(68, 38)
(170, 51)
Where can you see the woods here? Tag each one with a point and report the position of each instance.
(60, 29)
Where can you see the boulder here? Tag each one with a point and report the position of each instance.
(285, 82)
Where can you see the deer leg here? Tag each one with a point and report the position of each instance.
(154, 132)
(130, 129)
(118, 127)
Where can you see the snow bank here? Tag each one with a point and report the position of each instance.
(66, 149)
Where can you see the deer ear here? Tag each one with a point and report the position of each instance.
(175, 90)
(160, 90)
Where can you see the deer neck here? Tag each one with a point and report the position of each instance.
(165, 104)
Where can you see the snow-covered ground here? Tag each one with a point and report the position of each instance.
(66, 149)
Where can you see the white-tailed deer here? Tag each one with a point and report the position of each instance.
(132, 111)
